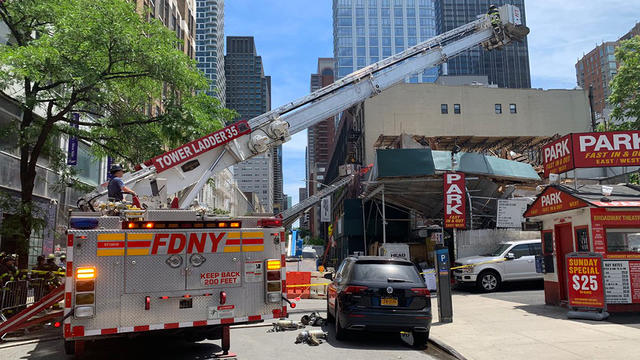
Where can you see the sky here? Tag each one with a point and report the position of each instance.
(291, 35)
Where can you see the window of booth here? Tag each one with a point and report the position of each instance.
(623, 240)
(547, 242)
(582, 238)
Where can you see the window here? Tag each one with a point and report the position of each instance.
(498, 108)
(535, 249)
(444, 109)
(512, 108)
(520, 250)
(547, 240)
(623, 240)
(456, 108)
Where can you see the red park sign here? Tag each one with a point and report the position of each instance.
(552, 200)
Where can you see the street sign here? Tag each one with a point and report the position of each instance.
(585, 281)
(325, 209)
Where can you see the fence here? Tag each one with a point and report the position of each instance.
(16, 295)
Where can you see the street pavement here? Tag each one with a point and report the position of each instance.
(514, 323)
(247, 342)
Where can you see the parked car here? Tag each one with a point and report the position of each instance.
(518, 265)
(376, 293)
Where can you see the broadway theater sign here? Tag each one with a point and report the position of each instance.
(588, 150)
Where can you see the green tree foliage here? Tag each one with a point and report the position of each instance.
(104, 61)
(625, 86)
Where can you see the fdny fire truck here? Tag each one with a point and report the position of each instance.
(165, 267)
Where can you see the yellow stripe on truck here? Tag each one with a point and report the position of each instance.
(253, 248)
(233, 235)
(232, 249)
(137, 251)
(140, 236)
(110, 252)
(252, 235)
(103, 237)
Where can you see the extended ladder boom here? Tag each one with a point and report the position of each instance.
(191, 165)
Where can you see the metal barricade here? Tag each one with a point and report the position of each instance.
(17, 295)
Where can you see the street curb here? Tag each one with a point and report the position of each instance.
(446, 348)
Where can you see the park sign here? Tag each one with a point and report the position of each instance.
(454, 201)
(553, 200)
(590, 150)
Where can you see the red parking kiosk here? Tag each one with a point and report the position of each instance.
(604, 220)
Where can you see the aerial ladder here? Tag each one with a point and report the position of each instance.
(187, 168)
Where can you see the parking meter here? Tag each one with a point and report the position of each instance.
(445, 307)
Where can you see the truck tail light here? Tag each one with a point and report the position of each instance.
(270, 223)
(273, 265)
(223, 297)
(273, 282)
(147, 302)
(85, 297)
(86, 273)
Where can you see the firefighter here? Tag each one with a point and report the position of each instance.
(8, 270)
(116, 186)
(38, 277)
(494, 16)
(63, 262)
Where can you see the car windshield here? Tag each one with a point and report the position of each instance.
(498, 251)
(385, 272)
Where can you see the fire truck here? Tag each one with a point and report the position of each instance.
(165, 267)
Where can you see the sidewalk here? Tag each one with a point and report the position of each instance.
(499, 326)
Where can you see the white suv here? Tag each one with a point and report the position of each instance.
(519, 264)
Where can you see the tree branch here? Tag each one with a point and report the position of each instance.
(128, 123)
(10, 24)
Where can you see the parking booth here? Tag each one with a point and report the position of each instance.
(604, 220)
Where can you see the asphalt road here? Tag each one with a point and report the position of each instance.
(247, 343)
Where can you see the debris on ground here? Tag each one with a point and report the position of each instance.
(314, 319)
(311, 337)
(285, 325)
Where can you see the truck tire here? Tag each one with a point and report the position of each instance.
(69, 347)
(420, 340)
(488, 281)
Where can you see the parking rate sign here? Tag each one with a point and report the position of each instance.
(584, 280)
(454, 201)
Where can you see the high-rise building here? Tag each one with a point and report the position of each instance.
(597, 68)
(507, 68)
(320, 139)
(248, 91)
(366, 31)
(210, 44)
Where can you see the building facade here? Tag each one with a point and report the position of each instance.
(596, 69)
(210, 44)
(248, 91)
(52, 204)
(508, 68)
(367, 31)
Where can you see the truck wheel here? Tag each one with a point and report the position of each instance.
(488, 281)
(79, 348)
(330, 317)
(69, 347)
(420, 340)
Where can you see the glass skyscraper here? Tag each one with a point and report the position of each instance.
(508, 68)
(366, 31)
(210, 44)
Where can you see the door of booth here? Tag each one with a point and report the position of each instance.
(564, 245)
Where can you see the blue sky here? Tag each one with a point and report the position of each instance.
(290, 35)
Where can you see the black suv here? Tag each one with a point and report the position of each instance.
(375, 293)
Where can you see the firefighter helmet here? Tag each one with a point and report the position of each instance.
(115, 168)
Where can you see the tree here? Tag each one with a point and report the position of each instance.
(625, 86)
(102, 60)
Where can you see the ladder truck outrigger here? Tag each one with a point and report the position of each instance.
(177, 270)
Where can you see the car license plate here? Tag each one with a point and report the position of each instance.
(389, 301)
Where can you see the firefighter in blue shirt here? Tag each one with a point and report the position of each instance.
(116, 186)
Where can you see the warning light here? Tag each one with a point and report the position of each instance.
(235, 224)
(223, 297)
(56, 324)
(187, 296)
(147, 302)
(132, 225)
(222, 224)
(85, 273)
(293, 305)
(164, 297)
(149, 225)
(273, 264)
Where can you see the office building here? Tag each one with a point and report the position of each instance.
(597, 68)
(366, 31)
(248, 91)
(507, 68)
(210, 44)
